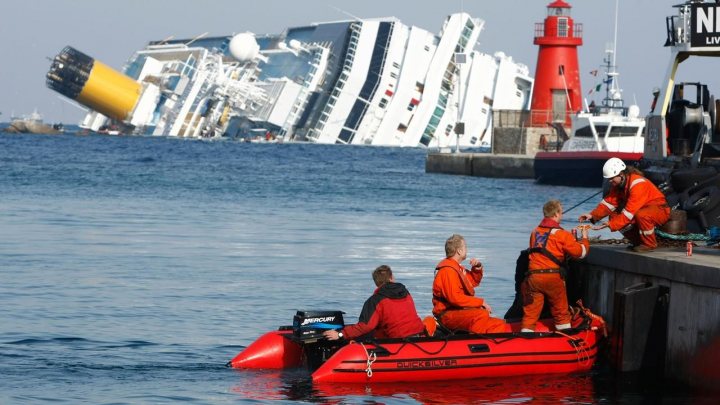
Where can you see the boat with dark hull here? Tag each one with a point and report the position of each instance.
(577, 168)
(440, 357)
(32, 124)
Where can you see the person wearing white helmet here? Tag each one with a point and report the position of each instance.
(634, 206)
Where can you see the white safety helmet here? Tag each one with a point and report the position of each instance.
(613, 167)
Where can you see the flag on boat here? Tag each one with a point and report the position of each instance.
(596, 88)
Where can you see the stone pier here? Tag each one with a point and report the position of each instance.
(663, 308)
(481, 164)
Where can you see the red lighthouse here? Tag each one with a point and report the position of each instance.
(556, 91)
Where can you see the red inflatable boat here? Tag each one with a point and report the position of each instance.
(450, 357)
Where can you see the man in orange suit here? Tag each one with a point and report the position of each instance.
(455, 305)
(550, 245)
(634, 204)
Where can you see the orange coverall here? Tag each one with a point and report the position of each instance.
(643, 208)
(537, 285)
(455, 304)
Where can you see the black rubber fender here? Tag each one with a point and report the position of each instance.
(658, 175)
(710, 218)
(683, 179)
(673, 200)
(705, 199)
(712, 181)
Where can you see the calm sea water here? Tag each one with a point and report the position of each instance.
(132, 269)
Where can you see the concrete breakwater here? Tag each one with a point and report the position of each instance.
(662, 309)
(481, 164)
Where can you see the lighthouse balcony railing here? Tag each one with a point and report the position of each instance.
(554, 31)
(525, 118)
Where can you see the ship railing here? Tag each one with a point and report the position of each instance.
(678, 26)
(555, 31)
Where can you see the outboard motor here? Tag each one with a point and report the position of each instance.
(310, 325)
(308, 328)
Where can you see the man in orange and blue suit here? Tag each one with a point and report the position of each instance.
(550, 245)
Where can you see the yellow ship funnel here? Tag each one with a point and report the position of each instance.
(93, 84)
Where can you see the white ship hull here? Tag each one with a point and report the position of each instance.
(364, 82)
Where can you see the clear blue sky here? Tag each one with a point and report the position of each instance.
(32, 31)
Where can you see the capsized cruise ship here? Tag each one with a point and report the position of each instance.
(364, 81)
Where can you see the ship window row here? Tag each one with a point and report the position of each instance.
(463, 41)
(431, 127)
(312, 134)
(623, 131)
(430, 130)
(345, 136)
(460, 48)
(443, 98)
(377, 61)
(356, 113)
(372, 80)
(585, 132)
(347, 65)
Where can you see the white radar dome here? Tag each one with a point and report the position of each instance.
(633, 111)
(244, 47)
(296, 45)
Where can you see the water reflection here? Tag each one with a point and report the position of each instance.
(296, 386)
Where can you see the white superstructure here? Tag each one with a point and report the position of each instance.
(611, 126)
(365, 81)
